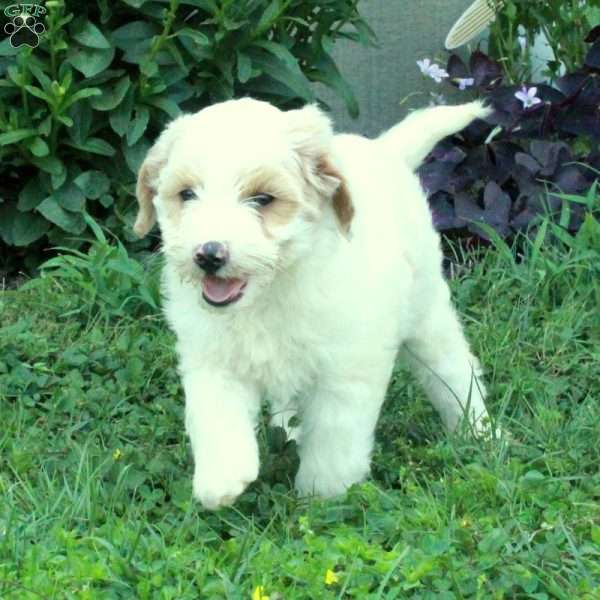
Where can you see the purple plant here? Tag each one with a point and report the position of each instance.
(541, 141)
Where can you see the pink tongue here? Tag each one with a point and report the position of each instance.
(220, 290)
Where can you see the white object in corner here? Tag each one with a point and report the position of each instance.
(472, 22)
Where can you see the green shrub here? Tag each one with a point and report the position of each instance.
(79, 111)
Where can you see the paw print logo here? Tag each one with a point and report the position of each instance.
(24, 30)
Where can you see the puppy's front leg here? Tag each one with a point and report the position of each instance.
(337, 429)
(220, 415)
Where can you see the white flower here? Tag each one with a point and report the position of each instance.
(464, 82)
(432, 70)
(528, 96)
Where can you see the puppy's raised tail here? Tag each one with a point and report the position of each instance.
(414, 137)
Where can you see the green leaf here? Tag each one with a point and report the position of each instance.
(45, 127)
(112, 96)
(18, 228)
(38, 147)
(90, 61)
(596, 534)
(31, 195)
(28, 228)
(65, 120)
(87, 34)
(494, 541)
(134, 155)
(49, 164)
(6, 49)
(138, 125)
(135, 3)
(70, 197)
(128, 36)
(197, 36)
(121, 116)
(244, 67)
(39, 74)
(279, 51)
(107, 200)
(81, 94)
(93, 184)
(17, 135)
(95, 146)
(291, 77)
(82, 116)
(166, 105)
(68, 221)
(38, 93)
(268, 17)
(326, 71)
(209, 6)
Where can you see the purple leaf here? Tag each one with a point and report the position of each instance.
(502, 159)
(589, 94)
(571, 83)
(549, 155)
(523, 219)
(476, 131)
(528, 162)
(497, 205)
(446, 151)
(592, 58)
(485, 71)
(584, 121)
(593, 35)
(434, 175)
(466, 209)
(442, 212)
(456, 67)
(541, 203)
(570, 180)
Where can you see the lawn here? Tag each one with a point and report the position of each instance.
(95, 476)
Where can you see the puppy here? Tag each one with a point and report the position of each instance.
(298, 263)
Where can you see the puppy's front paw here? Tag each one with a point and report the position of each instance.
(220, 479)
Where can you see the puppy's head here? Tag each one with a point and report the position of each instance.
(239, 190)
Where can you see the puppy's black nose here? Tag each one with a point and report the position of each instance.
(211, 256)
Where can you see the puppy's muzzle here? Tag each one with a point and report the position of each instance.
(211, 256)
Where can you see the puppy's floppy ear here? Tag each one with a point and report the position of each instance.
(148, 175)
(311, 135)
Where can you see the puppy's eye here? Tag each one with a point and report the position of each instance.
(187, 194)
(261, 199)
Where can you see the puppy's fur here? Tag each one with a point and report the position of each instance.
(329, 279)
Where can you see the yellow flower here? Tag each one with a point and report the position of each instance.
(330, 577)
(259, 593)
(117, 454)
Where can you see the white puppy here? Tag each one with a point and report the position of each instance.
(298, 262)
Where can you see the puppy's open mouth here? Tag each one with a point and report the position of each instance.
(219, 291)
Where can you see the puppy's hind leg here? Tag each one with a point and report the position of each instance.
(444, 364)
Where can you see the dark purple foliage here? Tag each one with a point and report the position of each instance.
(518, 176)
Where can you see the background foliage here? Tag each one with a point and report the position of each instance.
(564, 25)
(78, 113)
(525, 163)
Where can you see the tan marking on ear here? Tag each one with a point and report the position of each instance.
(145, 192)
(149, 172)
(341, 200)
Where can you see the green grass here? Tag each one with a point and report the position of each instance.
(95, 470)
